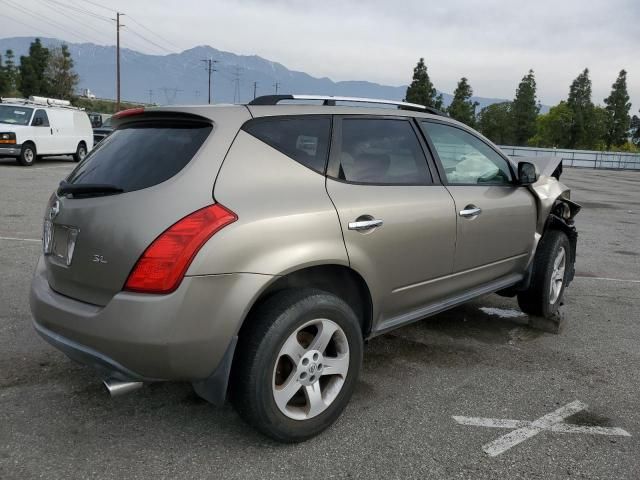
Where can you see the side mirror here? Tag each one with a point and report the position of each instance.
(527, 173)
(37, 122)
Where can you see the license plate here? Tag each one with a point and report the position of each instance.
(59, 241)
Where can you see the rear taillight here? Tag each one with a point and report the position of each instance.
(163, 264)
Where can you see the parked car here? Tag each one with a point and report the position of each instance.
(40, 127)
(98, 119)
(259, 246)
(100, 133)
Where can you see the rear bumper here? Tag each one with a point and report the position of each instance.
(10, 151)
(180, 336)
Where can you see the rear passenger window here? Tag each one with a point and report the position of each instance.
(382, 152)
(305, 139)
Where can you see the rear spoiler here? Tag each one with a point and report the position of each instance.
(142, 114)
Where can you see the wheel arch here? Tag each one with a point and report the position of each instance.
(339, 280)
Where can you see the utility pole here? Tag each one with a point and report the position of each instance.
(255, 88)
(150, 96)
(210, 68)
(277, 85)
(118, 26)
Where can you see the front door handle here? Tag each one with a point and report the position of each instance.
(360, 225)
(470, 211)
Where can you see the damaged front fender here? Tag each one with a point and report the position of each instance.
(548, 191)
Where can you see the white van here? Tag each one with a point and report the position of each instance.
(40, 126)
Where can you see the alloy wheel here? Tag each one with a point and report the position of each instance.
(310, 369)
(557, 275)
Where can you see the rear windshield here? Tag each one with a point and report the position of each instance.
(141, 155)
(15, 115)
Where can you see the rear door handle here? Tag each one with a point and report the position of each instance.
(470, 211)
(364, 224)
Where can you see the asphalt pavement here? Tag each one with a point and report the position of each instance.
(568, 397)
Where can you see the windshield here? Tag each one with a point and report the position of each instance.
(15, 115)
(107, 122)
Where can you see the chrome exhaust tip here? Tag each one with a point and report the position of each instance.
(118, 387)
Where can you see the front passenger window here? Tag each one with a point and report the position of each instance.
(465, 158)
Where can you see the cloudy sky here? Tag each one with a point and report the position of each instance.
(491, 42)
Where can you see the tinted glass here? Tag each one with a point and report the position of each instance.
(305, 139)
(40, 119)
(141, 155)
(15, 115)
(465, 158)
(381, 151)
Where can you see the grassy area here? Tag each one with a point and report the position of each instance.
(102, 106)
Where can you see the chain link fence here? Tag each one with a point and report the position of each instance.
(580, 158)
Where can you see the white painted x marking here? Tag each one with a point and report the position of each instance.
(524, 429)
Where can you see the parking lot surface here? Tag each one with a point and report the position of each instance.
(478, 360)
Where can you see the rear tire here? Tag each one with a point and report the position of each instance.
(298, 365)
(81, 152)
(549, 276)
(28, 155)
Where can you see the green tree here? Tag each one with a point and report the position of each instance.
(524, 110)
(494, 122)
(635, 129)
(3, 79)
(63, 80)
(461, 107)
(597, 129)
(10, 74)
(618, 107)
(580, 103)
(421, 89)
(553, 128)
(32, 70)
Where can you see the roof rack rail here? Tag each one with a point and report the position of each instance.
(331, 100)
(41, 101)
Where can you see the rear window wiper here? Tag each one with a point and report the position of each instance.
(88, 188)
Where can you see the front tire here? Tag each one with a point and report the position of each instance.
(81, 152)
(549, 276)
(298, 365)
(28, 155)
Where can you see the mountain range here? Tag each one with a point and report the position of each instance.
(181, 78)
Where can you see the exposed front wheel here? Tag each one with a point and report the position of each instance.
(299, 364)
(81, 152)
(549, 276)
(27, 155)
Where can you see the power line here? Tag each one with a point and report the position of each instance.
(38, 17)
(93, 15)
(178, 49)
(78, 18)
(81, 10)
(3, 14)
(147, 40)
(99, 6)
